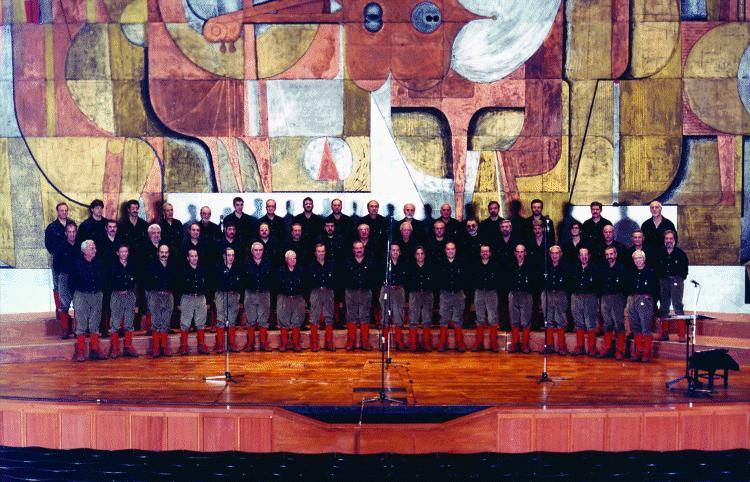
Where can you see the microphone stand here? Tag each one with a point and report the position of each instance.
(385, 345)
(227, 376)
(693, 384)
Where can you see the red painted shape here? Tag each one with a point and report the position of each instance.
(620, 49)
(328, 170)
(727, 168)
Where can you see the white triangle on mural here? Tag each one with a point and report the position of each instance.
(335, 6)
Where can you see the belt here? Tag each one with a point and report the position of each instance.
(123, 292)
(89, 292)
(195, 295)
(158, 292)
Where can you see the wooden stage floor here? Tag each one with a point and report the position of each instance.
(344, 379)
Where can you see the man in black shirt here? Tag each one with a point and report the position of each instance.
(452, 225)
(122, 302)
(172, 230)
(274, 222)
(193, 307)
(614, 287)
(333, 242)
(54, 237)
(654, 228)
(132, 227)
(321, 283)
(93, 227)
(311, 223)
(88, 281)
(451, 280)
(257, 278)
(291, 302)
(226, 282)
(244, 223)
(643, 289)
(485, 275)
(344, 224)
(417, 226)
(63, 262)
(672, 270)
(489, 228)
(359, 275)
(396, 297)
(583, 302)
(592, 227)
(555, 301)
(537, 208)
(210, 231)
(159, 281)
(420, 281)
(521, 282)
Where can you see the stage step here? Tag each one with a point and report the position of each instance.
(35, 337)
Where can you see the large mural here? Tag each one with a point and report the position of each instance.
(621, 101)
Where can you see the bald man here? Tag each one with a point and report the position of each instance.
(654, 228)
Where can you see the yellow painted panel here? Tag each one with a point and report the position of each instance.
(281, 46)
(208, 55)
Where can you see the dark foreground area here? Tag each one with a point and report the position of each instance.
(46, 464)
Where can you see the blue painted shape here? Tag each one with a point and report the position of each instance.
(198, 11)
(693, 10)
(8, 122)
(743, 79)
(686, 159)
(45, 7)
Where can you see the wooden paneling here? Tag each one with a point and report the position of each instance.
(256, 434)
(219, 433)
(75, 430)
(183, 432)
(112, 431)
(12, 428)
(552, 433)
(264, 429)
(587, 432)
(659, 431)
(623, 432)
(43, 429)
(147, 432)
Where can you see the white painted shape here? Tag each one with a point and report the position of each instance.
(382, 101)
(252, 103)
(489, 49)
(472, 171)
(342, 156)
(722, 289)
(335, 6)
(305, 107)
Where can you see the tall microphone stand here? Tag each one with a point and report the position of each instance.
(693, 384)
(227, 376)
(385, 345)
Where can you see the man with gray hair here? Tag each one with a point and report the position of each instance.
(193, 307)
(158, 281)
(643, 290)
(291, 302)
(654, 228)
(88, 281)
(257, 283)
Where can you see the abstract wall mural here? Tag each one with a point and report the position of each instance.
(621, 101)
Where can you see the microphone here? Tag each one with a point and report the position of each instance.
(695, 283)
(221, 222)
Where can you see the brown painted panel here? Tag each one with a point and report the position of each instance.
(398, 439)
(552, 433)
(514, 433)
(147, 432)
(42, 429)
(659, 431)
(587, 432)
(623, 432)
(696, 430)
(75, 430)
(302, 436)
(112, 431)
(256, 434)
(730, 430)
(11, 428)
(183, 432)
(219, 433)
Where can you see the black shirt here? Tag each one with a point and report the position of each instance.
(92, 229)
(489, 229)
(276, 226)
(359, 275)
(291, 282)
(585, 280)
(54, 235)
(334, 246)
(321, 275)
(122, 278)
(87, 276)
(653, 237)
(157, 277)
(557, 277)
(451, 275)
(672, 264)
(344, 226)
(194, 281)
(643, 282)
(312, 227)
(65, 257)
(246, 225)
(592, 232)
(227, 279)
(614, 279)
(257, 276)
(485, 276)
(420, 278)
(134, 234)
(522, 277)
(172, 234)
